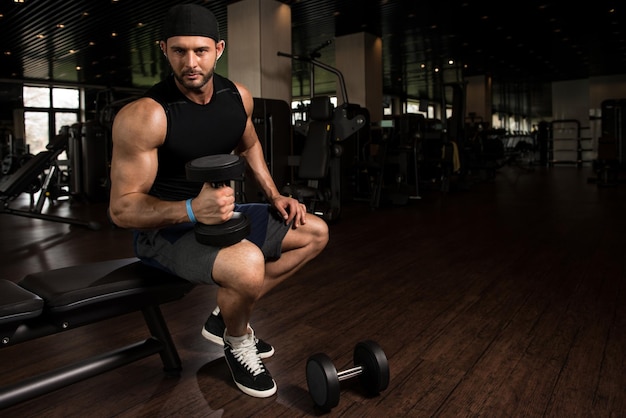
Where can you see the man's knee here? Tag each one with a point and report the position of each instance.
(316, 235)
(320, 232)
(240, 266)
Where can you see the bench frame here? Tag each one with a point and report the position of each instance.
(58, 300)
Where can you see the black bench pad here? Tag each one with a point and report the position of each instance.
(79, 295)
(83, 285)
(17, 304)
(55, 301)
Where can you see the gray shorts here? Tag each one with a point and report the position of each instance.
(176, 250)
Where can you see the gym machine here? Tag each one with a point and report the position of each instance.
(397, 180)
(319, 173)
(41, 173)
(611, 154)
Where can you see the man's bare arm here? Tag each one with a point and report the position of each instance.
(250, 148)
(138, 130)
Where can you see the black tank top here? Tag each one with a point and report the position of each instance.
(194, 131)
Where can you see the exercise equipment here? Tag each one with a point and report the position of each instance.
(610, 160)
(607, 165)
(218, 170)
(396, 178)
(61, 300)
(370, 366)
(272, 123)
(38, 173)
(565, 143)
(319, 165)
(89, 154)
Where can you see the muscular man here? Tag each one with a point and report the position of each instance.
(195, 113)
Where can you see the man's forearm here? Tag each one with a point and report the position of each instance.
(146, 212)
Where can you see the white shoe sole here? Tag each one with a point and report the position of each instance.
(213, 338)
(252, 392)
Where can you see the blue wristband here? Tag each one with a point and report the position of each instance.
(190, 214)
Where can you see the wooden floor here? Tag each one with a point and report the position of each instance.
(504, 300)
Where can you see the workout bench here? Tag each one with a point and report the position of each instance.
(59, 300)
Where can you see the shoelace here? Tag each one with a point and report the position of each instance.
(247, 355)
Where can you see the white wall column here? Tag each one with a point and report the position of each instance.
(359, 58)
(257, 30)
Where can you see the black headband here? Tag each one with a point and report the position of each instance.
(190, 20)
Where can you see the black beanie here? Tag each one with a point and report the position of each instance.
(190, 20)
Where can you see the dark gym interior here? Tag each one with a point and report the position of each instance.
(486, 262)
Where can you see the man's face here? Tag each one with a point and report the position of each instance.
(192, 59)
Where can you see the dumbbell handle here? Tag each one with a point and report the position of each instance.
(349, 373)
(218, 184)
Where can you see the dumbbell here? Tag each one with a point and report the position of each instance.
(218, 170)
(370, 365)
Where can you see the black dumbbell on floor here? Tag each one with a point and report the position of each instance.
(218, 170)
(370, 366)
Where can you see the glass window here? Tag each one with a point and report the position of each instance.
(414, 107)
(36, 96)
(40, 113)
(65, 98)
(36, 131)
(64, 118)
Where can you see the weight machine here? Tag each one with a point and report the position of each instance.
(318, 179)
(41, 173)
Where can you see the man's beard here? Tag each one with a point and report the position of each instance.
(194, 85)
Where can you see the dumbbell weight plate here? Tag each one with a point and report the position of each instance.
(323, 381)
(218, 168)
(222, 235)
(375, 376)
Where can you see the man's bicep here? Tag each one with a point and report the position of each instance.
(132, 170)
(136, 136)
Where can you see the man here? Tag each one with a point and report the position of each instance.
(191, 114)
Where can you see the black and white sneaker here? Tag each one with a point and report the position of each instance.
(247, 368)
(214, 328)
